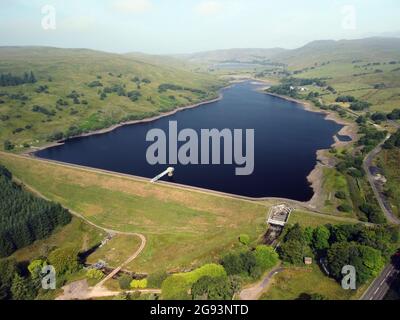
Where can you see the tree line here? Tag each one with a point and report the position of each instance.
(24, 217)
(8, 79)
(366, 248)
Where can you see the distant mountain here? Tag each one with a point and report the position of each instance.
(369, 49)
(229, 55)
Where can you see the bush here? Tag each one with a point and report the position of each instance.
(8, 145)
(155, 280)
(125, 282)
(244, 239)
(341, 195)
(345, 207)
(177, 286)
(139, 284)
(94, 274)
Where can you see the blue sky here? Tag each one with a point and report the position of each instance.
(183, 26)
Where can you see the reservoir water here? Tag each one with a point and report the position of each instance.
(287, 138)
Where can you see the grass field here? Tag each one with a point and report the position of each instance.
(292, 282)
(66, 70)
(359, 80)
(389, 161)
(77, 234)
(183, 228)
(116, 251)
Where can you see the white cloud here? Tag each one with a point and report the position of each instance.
(207, 8)
(133, 6)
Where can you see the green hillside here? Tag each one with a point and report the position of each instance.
(367, 69)
(79, 90)
(369, 49)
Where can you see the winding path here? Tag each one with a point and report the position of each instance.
(254, 292)
(98, 290)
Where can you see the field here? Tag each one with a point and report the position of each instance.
(292, 282)
(389, 161)
(359, 80)
(77, 234)
(60, 72)
(183, 228)
(116, 251)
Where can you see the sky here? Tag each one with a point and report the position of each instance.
(185, 26)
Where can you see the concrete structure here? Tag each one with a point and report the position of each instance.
(279, 215)
(169, 172)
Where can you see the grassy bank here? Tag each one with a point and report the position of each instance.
(183, 228)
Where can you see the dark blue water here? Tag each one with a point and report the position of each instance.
(286, 140)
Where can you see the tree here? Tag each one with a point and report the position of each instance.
(21, 289)
(8, 146)
(175, 287)
(266, 257)
(125, 282)
(207, 288)
(292, 251)
(155, 279)
(35, 269)
(367, 261)
(320, 241)
(232, 263)
(7, 270)
(244, 239)
(64, 260)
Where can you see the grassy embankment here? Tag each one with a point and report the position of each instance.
(183, 228)
(88, 73)
(389, 161)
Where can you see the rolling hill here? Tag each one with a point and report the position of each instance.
(369, 49)
(80, 90)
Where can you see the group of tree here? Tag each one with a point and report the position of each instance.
(365, 247)
(355, 104)
(24, 217)
(21, 281)
(195, 284)
(250, 262)
(8, 79)
(170, 86)
(393, 141)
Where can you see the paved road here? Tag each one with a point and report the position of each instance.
(254, 292)
(381, 285)
(383, 203)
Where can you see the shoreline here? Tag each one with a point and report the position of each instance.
(122, 124)
(349, 129)
(314, 177)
